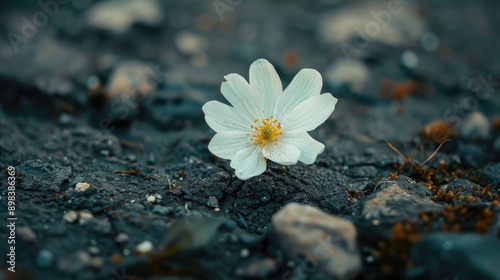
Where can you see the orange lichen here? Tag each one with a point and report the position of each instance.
(495, 123)
(290, 58)
(397, 91)
(456, 219)
(438, 131)
(116, 258)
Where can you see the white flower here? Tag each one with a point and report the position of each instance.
(267, 122)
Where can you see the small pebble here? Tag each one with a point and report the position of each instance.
(81, 187)
(75, 262)
(370, 151)
(151, 199)
(131, 158)
(65, 119)
(151, 159)
(26, 233)
(144, 247)
(44, 258)
(94, 250)
(191, 43)
(476, 126)
(370, 259)
(97, 262)
(162, 210)
(85, 217)
(70, 216)
(244, 252)
(429, 41)
(409, 59)
(121, 238)
(264, 198)
(261, 269)
(213, 202)
(93, 82)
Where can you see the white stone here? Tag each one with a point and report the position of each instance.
(144, 247)
(129, 79)
(476, 126)
(351, 72)
(84, 216)
(191, 43)
(151, 199)
(121, 238)
(70, 216)
(81, 187)
(119, 15)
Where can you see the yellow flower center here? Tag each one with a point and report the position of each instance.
(268, 131)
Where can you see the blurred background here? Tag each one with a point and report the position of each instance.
(78, 55)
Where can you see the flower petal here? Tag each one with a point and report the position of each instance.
(226, 144)
(265, 80)
(306, 84)
(242, 96)
(249, 162)
(221, 117)
(309, 148)
(310, 114)
(284, 154)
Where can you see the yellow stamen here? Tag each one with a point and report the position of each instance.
(270, 130)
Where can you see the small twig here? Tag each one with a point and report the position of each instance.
(169, 185)
(128, 172)
(434, 153)
(397, 151)
(135, 146)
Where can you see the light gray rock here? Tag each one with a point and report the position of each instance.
(324, 240)
(398, 199)
(476, 126)
(118, 16)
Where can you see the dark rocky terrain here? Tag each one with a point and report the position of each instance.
(100, 116)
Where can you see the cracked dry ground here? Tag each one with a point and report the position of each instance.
(147, 200)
